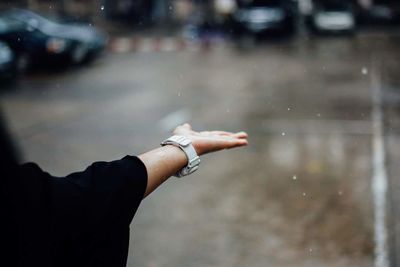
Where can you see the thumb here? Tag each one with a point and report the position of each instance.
(187, 126)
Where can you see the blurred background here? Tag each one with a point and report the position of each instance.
(315, 83)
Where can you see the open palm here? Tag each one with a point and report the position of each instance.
(210, 141)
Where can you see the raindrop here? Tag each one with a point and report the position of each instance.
(319, 114)
(102, 8)
(304, 194)
(311, 250)
(283, 134)
(179, 93)
(294, 177)
(288, 109)
(364, 71)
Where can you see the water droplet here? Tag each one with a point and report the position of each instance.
(294, 177)
(179, 93)
(340, 193)
(311, 250)
(102, 7)
(304, 194)
(319, 114)
(364, 71)
(283, 134)
(288, 109)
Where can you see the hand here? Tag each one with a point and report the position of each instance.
(211, 141)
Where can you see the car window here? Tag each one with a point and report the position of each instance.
(261, 3)
(7, 24)
(31, 19)
(335, 6)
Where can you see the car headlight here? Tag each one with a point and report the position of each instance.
(56, 45)
(5, 54)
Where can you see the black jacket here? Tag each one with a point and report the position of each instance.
(78, 220)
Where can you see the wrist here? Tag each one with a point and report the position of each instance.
(180, 154)
(197, 147)
(185, 144)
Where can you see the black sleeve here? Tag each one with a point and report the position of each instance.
(73, 218)
(103, 197)
(114, 189)
(67, 221)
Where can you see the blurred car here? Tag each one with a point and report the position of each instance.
(332, 17)
(382, 12)
(263, 17)
(7, 63)
(37, 40)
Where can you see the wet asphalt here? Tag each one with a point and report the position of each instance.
(298, 195)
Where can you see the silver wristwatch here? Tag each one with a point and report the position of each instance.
(185, 144)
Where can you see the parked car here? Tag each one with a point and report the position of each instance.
(7, 64)
(332, 17)
(263, 17)
(36, 39)
(382, 13)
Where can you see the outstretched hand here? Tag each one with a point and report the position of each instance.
(165, 161)
(211, 141)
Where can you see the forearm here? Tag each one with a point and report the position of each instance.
(161, 163)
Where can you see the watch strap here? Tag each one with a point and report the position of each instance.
(185, 144)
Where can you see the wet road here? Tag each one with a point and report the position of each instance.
(299, 195)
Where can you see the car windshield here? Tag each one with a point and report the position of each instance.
(334, 6)
(260, 3)
(9, 25)
(32, 19)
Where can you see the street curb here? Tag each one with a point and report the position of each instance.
(160, 44)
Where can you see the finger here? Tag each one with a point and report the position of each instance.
(236, 143)
(187, 126)
(234, 137)
(181, 129)
(241, 135)
(222, 133)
